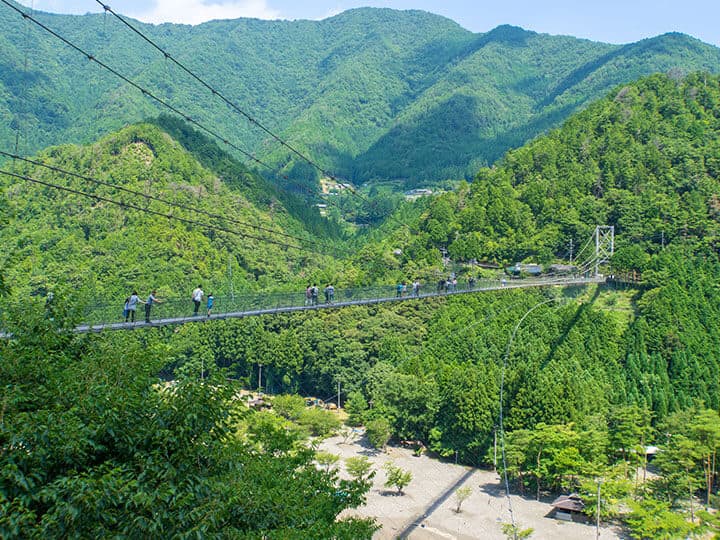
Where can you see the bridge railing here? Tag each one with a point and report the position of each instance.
(177, 307)
(183, 307)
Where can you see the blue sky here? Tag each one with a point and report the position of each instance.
(613, 21)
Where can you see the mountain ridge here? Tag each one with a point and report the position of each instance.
(370, 94)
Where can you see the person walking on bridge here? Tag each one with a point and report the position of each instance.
(329, 294)
(314, 294)
(210, 304)
(152, 300)
(132, 303)
(197, 296)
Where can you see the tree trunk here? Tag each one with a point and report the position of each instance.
(692, 507)
(537, 475)
(708, 479)
(520, 481)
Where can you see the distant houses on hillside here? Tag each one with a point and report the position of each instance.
(329, 187)
(415, 193)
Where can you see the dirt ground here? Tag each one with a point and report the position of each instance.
(427, 509)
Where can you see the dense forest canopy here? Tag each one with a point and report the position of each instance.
(91, 245)
(591, 376)
(371, 94)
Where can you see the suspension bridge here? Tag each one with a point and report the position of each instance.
(106, 317)
(174, 312)
(275, 303)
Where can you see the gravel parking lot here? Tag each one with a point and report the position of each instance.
(427, 509)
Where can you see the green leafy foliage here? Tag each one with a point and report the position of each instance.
(95, 446)
(378, 432)
(327, 460)
(359, 467)
(461, 495)
(653, 519)
(396, 477)
(109, 251)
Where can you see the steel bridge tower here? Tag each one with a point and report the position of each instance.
(604, 245)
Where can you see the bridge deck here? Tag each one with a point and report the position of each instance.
(354, 301)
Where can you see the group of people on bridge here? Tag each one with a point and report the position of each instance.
(312, 292)
(132, 301)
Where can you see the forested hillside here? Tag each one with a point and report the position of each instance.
(591, 376)
(54, 239)
(645, 160)
(371, 94)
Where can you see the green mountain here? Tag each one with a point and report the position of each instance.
(370, 94)
(588, 376)
(59, 239)
(645, 159)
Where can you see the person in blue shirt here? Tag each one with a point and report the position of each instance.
(210, 303)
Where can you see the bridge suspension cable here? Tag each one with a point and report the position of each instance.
(248, 116)
(211, 132)
(148, 197)
(132, 206)
(151, 95)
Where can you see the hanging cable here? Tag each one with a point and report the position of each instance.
(161, 200)
(156, 213)
(251, 119)
(149, 94)
(501, 415)
(143, 90)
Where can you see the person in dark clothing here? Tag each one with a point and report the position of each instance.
(315, 291)
(152, 299)
(329, 294)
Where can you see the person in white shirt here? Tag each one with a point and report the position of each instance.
(132, 303)
(197, 296)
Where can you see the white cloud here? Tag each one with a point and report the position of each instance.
(330, 13)
(198, 11)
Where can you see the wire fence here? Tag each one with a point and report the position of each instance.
(181, 309)
(111, 316)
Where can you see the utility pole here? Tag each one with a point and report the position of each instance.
(338, 395)
(259, 377)
(571, 250)
(597, 523)
(230, 277)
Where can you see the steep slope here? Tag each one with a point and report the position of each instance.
(58, 239)
(645, 159)
(372, 94)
